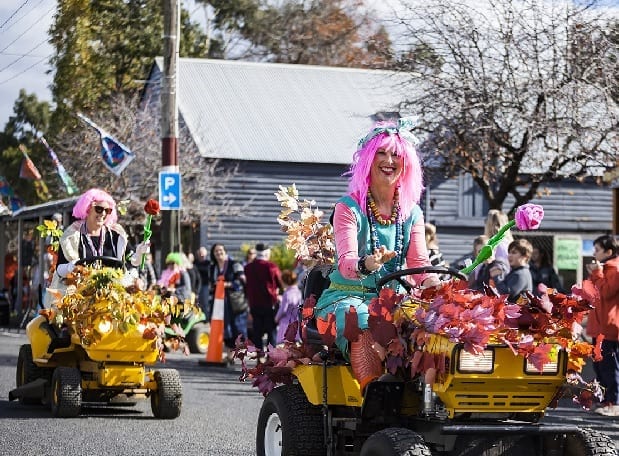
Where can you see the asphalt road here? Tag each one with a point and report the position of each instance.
(218, 418)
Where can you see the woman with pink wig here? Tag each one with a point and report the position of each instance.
(95, 233)
(379, 228)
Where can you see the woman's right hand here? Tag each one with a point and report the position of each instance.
(378, 258)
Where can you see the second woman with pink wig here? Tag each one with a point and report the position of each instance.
(95, 233)
(379, 229)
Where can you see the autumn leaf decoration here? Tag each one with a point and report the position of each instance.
(49, 229)
(307, 235)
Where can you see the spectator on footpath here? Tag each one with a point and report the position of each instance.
(202, 264)
(249, 256)
(542, 271)
(289, 308)
(194, 275)
(480, 277)
(494, 221)
(263, 284)
(604, 320)
(436, 257)
(232, 272)
(518, 281)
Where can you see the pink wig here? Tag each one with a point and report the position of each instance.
(411, 181)
(94, 195)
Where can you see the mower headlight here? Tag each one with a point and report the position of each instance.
(104, 326)
(551, 367)
(482, 363)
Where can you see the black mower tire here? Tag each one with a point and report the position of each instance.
(287, 410)
(198, 338)
(589, 442)
(166, 402)
(28, 372)
(66, 392)
(395, 442)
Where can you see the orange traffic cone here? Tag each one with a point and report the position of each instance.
(216, 339)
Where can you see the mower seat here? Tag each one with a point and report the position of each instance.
(316, 281)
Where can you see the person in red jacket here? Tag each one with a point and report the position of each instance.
(263, 285)
(604, 320)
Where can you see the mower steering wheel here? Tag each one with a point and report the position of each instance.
(109, 261)
(398, 276)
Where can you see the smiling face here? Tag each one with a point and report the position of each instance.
(386, 168)
(97, 214)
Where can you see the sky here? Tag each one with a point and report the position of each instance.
(24, 51)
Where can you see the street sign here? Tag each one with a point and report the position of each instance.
(169, 190)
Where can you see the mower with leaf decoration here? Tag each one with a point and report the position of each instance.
(95, 345)
(473, 383)
(188, 323)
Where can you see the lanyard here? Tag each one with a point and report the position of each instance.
(93, 250)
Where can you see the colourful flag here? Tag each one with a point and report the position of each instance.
(64, 176)
(5, 187)
(27, 169)
(116, 156)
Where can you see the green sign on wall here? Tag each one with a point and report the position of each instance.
(567, 253)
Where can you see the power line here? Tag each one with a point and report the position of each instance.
(17, 21)
(23, 71)
(19, 58)
(28, 29)
(14, 13)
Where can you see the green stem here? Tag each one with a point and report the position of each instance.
(487, 250)
(147, 234)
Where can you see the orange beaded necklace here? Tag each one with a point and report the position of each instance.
(395, 209)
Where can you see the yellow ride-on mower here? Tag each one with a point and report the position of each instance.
(97, 343)
(466, 373)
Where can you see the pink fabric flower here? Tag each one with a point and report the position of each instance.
(529, 216)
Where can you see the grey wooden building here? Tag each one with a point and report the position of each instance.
(283, 124)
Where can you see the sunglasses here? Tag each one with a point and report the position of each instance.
(101, 210)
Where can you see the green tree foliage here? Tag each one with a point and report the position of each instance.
(312, 32)
(106, 48)
(513, 93)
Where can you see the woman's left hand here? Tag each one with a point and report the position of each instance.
(431, 281)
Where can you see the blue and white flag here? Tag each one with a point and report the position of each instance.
(116, 156)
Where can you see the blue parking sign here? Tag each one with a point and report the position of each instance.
(169, 190)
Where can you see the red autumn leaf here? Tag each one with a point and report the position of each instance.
(292, 331)
(427, 362)
(351, 325)
(152, 207)
(415, 362)
(540, 356)
(326, 328)
(382, 331)
(430, 375)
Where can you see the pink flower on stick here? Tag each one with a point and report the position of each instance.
(529, 217)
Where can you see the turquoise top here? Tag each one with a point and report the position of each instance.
(338, 302)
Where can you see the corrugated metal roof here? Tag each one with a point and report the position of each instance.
(280, 112)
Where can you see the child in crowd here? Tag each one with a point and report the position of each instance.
(288, 311)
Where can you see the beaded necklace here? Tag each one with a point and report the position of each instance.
(396, 263)
(395, 209)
